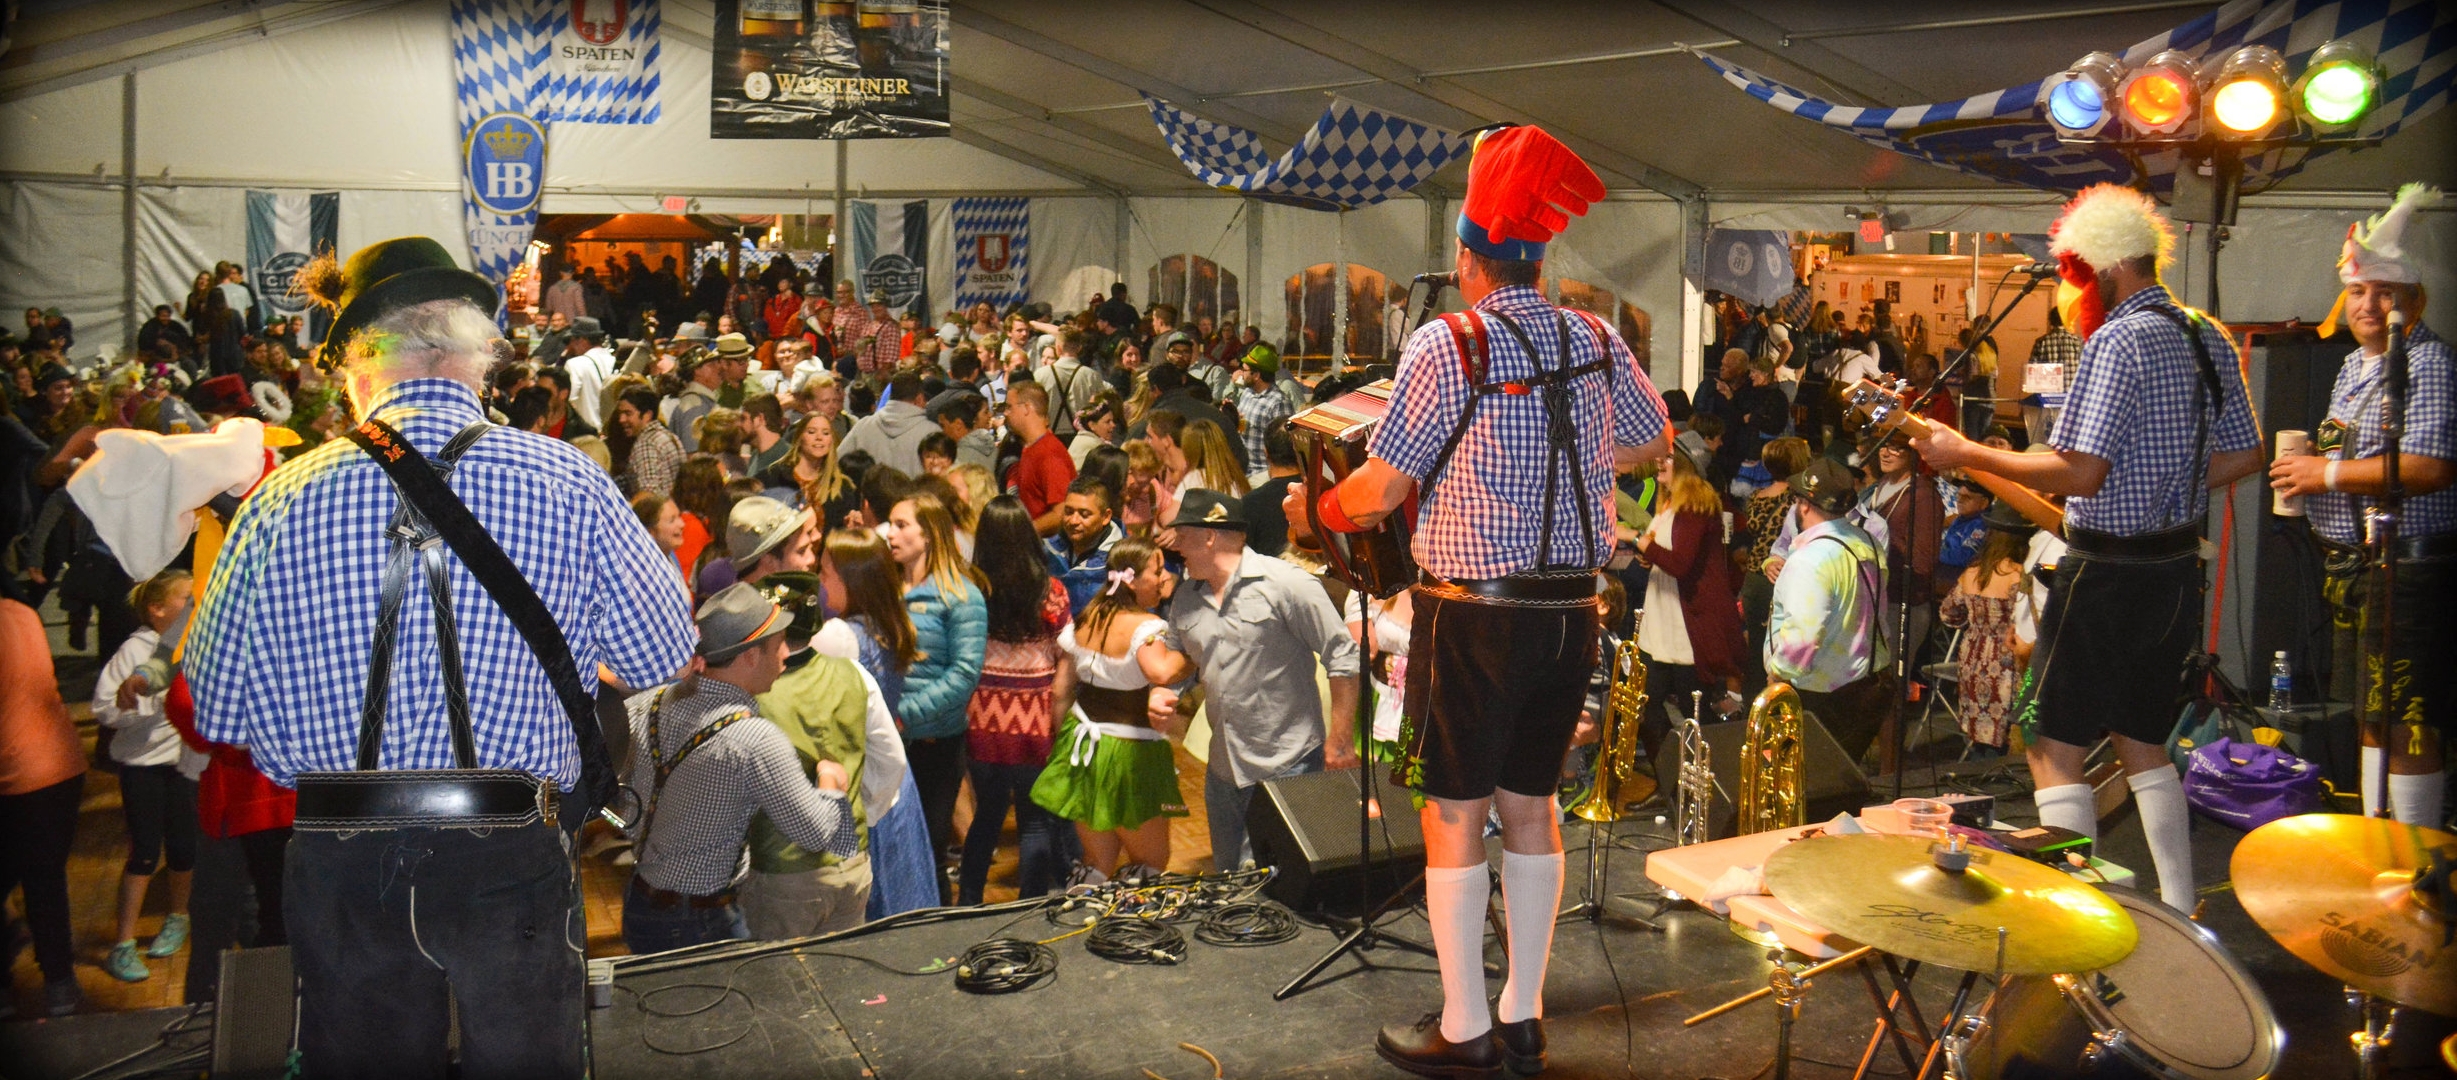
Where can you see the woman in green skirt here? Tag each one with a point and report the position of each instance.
(1110, 771)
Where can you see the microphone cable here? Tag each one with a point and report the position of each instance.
(1129, 940)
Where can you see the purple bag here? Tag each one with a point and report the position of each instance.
(2248, 785)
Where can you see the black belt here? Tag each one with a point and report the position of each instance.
(2181, 540)
(1552, 589)
(667, 898)
(2409, 549)
(422, 798)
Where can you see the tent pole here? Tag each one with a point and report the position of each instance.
(836, 225)
(1125, 240)
(1339, 313)
(1250, 294)
(128, 210)
(1690, 366)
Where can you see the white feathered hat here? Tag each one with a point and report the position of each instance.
(2107, 224)
(2375, 249)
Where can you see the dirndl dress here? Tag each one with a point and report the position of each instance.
(1109, 775)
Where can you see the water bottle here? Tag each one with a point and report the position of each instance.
(2281, 683)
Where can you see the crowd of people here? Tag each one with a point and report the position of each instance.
(992, 564)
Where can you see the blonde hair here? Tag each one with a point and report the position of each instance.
(1141, 458)
(974, 482)
(1208, 455)
(1689, 491)
(158, 589)
(945, 564)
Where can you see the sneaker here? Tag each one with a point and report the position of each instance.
(174, 934)
(62, 996)
(125, 965)
(1135, 873)
(1083, 876)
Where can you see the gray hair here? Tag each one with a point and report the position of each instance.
(439, 339)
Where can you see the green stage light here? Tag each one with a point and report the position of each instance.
(2339, 87)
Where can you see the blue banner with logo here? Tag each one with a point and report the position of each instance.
(992, 251)
(284, 231)
(890, 245)
(519, 65)
(1752, 264)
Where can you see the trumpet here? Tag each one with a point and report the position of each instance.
(1771, 755)
(1691, 822)
(1616, 761)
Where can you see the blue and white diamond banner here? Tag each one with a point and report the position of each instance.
(2004, 135)
(601, 62)
(519, 65)
(498, 57)
(1354, 156)
(992, 251)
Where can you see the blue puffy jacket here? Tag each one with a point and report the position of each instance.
(952, 636)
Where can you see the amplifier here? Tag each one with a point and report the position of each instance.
(1306, 827)
(253, 1012)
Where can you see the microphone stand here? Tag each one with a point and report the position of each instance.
(1907, 649)
(1364, 934)
(2380, 712)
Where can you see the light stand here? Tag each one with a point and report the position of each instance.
(1905, 649)
(2382, 537)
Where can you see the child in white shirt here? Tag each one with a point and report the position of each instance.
(157, 774)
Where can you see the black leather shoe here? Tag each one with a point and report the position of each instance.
(1522, 1045)
(1420, 1048)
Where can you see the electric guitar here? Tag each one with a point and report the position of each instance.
(1874, 409)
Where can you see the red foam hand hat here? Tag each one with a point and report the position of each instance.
(1523, 187)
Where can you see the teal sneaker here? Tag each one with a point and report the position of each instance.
(174, 934)
(125, 965)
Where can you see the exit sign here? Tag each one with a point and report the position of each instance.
(675, 204)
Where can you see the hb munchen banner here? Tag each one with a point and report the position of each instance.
(520, 65)
(284, 232)
(828, 69)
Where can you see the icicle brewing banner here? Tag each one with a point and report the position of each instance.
(890, 245)
(828, 69)
(284, 231)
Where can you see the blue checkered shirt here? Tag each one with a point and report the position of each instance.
(1484, 513)
(2360, 400)
(2134, 402)
(1260, 411)
(279, 654)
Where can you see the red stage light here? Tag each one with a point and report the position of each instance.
(2160, 97)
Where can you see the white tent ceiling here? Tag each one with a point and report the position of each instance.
(1047, 90)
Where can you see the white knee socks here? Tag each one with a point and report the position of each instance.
(1455, 899)
(2167, 821)
(2413, 800)
(1531, 900)
(2368, 762)
(2069, 806)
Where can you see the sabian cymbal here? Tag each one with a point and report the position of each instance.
(1887, 891)
(2337, 890)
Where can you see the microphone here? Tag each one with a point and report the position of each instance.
(2037, 269)
(1444, 280)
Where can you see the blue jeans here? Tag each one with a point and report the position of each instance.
(1224, 809)
(1043, 864)
(648, 928)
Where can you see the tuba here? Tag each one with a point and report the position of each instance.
(1616, 759)
(1771, 753)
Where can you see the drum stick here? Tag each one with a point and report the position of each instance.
(1852, 957)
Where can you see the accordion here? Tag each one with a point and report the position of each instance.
(1331, 440)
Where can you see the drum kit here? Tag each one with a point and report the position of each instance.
(2105, 981)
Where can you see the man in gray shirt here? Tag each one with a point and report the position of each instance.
(1255, 625)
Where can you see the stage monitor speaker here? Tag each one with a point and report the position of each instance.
(1306, 827)
(1832, 783)
(253, 1013)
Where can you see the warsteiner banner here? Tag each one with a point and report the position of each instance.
(828, 69)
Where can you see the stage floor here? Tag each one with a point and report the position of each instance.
(1614, 1001)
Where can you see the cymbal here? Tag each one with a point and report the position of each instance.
(2336, 890)
(1887, 891)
